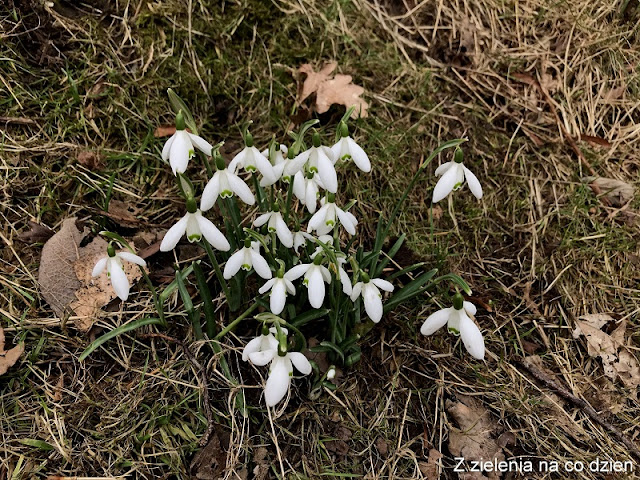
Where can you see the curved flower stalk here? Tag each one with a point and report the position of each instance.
(224, 183)
(277, 158)
(320, 159)
(459, 323)
(252, 160)
(315, 276)
(280, 372)
(347, 149)
(113, 264)
(307, 188)
(196, 226)
(280, 287)
(324, 219)
(246, 258)
(368, 289)
(180, 147)
(453, 174)
(276, 224)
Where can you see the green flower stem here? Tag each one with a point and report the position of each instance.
(216, 267)
(207, 165)
(233, 324)
(289, 199)
(259, 190)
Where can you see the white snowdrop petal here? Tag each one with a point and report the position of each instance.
(267, 286)
(200, 143)
(347, 221)
(264, 166)
(355, 292)
(99, 267)
(234, 264)
(297, 271)
(299, 185)
(443, 168)
(212, 234)
(278, 297)
(260, 265)
(283, 232)
(474, 184)
(174, 234)
(383, 284)
(471, 337)
(315, 286)
(130, 257)
(290, 287)
(359, 156)
(119, 280)
(372, 302)
(262, 357)
(469, 307)
(277, 384)
(180, 152)
(210, 192)
(300, 362)
(327, 172)
(445, 184)
(435, 321)
(251, 347)
(238, 161)
(262, 219)
(241, 189)
(346, 282)
(167, 147)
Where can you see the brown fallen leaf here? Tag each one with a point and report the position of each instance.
(164, 131)
(332, 91)
(596, 141)
(124, 213)
(36, 234)
(474, 439)
(8, 358)
(91, 160)
(617, 192)
(617, 360)
(430, 468)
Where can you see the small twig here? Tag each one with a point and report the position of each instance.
(18, 120)
(203, 379)
(551, 383)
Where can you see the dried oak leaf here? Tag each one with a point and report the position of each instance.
(616, 191)
(474, 439)
(617, 360)
(332, 91)
(8, 358)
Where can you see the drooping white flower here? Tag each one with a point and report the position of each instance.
(347, 149)
(307, 189)
(347, 288)
(246, 258)
(277, 158)
(324, 219)
(459, 323)
(300, 238)
(371, 296)
(196, 226)
(277, 225)
(251, 160)
(265, 342)
(280, 372)
(113, 264)
(225, 183)
(320, 160)
(315, 276)
(453, 175)
(280, 286)
(180, 147)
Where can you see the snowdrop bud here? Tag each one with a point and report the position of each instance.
(365, 277)
(331, 373)
(111, 251)
(458, 301)
(180, 123)
(192, 206)
(318, 259)
(248, 140)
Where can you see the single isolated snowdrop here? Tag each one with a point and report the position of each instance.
(246, 258)
(180, 147)
(225, 183)
(276, 224)
(320, 160)
(280, 372)
(459, 323)
(324, 219)
(277, 158)
(368, 288)
(315, 276)
(347, 149)
(307, 188)
(196, 226)
(453, 175)
(113, 264)
(280, 286)
(252, 160)
(265, 342)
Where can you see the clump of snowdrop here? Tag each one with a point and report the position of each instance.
(458, 321)
(112, 263)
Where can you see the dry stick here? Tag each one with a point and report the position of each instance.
(578, 402)
(572, 143)
(203, 378)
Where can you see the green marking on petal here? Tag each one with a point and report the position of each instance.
(191, 152)
(330, 223)
(454, 331)
(271, 229)
(250, 168)
(194, 238)
(457, 185)
(226, 194)
(346, 157)
(313, 169)
(246, 267)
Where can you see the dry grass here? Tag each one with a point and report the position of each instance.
(540, 249)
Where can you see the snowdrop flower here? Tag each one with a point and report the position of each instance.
(196, 226)
(113, 263)
(246, 258)
(459, 323)
(277, 225)
(347, 149)
(331, 373)
(368, 289)
(280, 287)
(251, 160)
(277, 157)
(315, 276)
(320, 160)
(453, 175)
(299, 239)
(265, 342)
(225, 183)
(180, 147)
(280, 372)
(307, 189)
(342, 259)
(324, 219)
(293, 164)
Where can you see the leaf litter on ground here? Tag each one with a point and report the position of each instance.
(9, 357)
